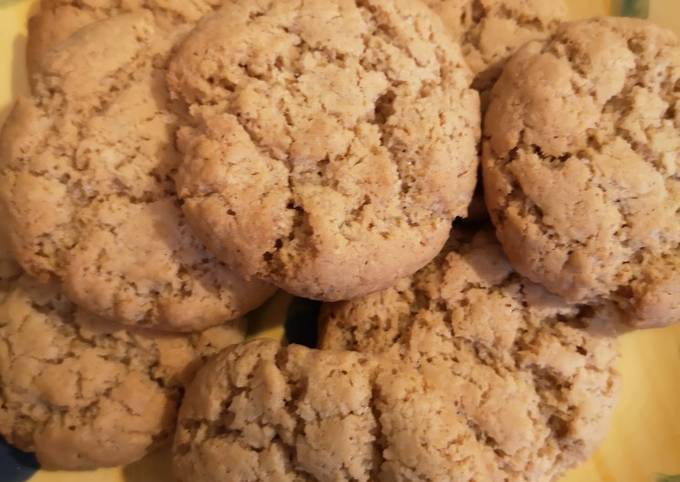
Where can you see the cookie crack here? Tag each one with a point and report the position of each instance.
(380, 442)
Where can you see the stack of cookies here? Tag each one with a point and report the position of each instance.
(177, 162)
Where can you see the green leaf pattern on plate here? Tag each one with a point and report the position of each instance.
(631, 8)
(668, 478)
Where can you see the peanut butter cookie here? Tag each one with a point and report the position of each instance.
(261, 412)
(517, 364)
(87, 190)
(83, 393)
(331, 144)
(489, 31)
(59, 19)
(582, 166)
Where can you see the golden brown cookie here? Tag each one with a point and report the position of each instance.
(86, 185)
(84, 393)
(59, 19)
(516, 364)
(489, 31)
(261, 412)
(581, 166)
(332, 142)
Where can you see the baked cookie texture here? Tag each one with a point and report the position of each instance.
(59, 19)
(87, 190)
(84, 393)
(259, 411)
(331, 144)
(517, 364)
(581, 163)
(489, 31)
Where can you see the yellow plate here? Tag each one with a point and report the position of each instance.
(643, 444)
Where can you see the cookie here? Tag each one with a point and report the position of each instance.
(581, 163)
(491, 30)
(260, 412)
(331, 144)
(83, 393)
(516, 363)
(87, 185)
(59, 19)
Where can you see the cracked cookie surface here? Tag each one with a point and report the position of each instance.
(582, 166)
(489, 31)
(534, 388)
(259, 411)
(332, 141)
(84, 393)
(59, 19)
(87, 190)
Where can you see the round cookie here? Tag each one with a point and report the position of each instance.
(491, 30)
(581, 163)
(83, 393)
(332, 142)
(517, 364)
(59, 19)
(261, 412)
(87, 191)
